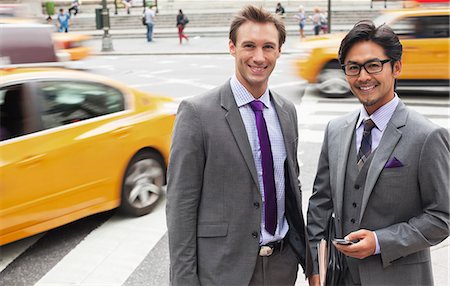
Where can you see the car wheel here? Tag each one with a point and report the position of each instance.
(142, 184)
(332, 81)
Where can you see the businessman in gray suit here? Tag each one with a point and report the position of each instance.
(233, 199)
(383, 172)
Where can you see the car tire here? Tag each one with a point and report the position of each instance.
(143, 183)
(331, 81)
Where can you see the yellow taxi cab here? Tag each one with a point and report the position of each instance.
(73, 144)
(76, 45)
(424, 34)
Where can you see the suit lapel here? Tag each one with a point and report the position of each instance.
(346, 136)
(389, 140)
(234, 119)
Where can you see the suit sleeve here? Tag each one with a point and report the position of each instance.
(320, 204)
(432, 225)
(185, 176)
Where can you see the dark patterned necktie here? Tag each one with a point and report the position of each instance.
(270, 202)
(366, 143)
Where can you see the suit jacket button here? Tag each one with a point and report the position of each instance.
(256, 205)
(254, 234)
(357, 186)
(353, 220)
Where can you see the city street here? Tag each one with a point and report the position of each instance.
(134, 251)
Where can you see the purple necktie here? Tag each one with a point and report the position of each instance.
(270, 200)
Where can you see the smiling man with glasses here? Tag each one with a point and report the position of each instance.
(383, 172)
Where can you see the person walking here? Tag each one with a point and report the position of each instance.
(127, 4)
(182, 20)
(383, 172)
(75, 6)
(316, 19)
(301, 18)
(149, 15)
(63, 21)
(234, 211)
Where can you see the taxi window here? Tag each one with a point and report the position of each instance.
(422, 27)
(65, 102)
(13, 115)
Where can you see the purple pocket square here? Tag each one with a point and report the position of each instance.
(393, 163)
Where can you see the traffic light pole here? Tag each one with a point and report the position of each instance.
(106, 40)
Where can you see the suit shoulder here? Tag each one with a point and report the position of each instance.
(343, 120)
(205, 100)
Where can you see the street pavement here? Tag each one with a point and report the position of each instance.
(219, 45)
(167, 46)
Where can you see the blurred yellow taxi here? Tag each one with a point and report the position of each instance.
(73, 144)
(76, 45)
(424, 34)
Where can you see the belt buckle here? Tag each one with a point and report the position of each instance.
(265, 250)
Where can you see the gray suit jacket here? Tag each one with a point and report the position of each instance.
(213, 199)
(407, 207)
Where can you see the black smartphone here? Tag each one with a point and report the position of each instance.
(344, 241)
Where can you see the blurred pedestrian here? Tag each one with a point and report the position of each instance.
(75, 6)
(234, 211)
(324, 22)
(63, 21)
(182, 20)
(128, 4)
(301, 17)
(279, 10)
(315, 18)
(149, 15)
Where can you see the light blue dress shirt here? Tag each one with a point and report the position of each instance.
(243, 97)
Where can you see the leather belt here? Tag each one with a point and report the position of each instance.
(271, 247)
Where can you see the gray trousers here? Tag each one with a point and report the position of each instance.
(278, 269)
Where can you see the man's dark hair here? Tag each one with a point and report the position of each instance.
(257, 15)
(365, 30)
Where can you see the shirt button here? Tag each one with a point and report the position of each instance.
(254, 234)
(353, 220)
(354, 205)
(357, 186)
(256, 205)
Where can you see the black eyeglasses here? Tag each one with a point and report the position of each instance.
(371, 67)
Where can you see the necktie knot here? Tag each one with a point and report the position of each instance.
(368, 125)
(257, 105)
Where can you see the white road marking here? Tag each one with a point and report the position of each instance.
(109, 254)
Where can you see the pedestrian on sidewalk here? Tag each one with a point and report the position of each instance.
(127, 4)
(75, 6)
(279, 10)
(384, 172)
(182, 20)
(316, 20)
(301, 18)
(63, 21)
(234, 210)
(149, 15)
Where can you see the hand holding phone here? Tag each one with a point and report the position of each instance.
(344, 241)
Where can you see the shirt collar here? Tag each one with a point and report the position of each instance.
(243, 96)
(381, 116)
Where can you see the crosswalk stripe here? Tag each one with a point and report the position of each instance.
(119, 244)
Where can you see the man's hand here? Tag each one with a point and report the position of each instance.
(362, 249)
(314, 280)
